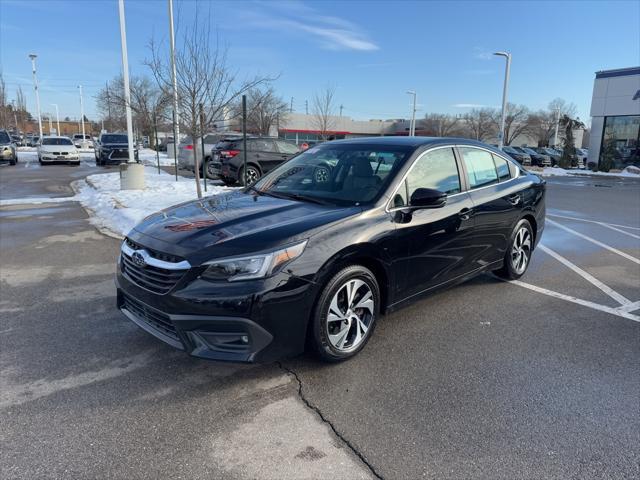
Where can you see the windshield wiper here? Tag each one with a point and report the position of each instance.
(300, 197)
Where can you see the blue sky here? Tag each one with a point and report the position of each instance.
(372, 51)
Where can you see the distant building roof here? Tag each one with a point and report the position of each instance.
(618, 72)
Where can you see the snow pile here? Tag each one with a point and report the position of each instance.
(632, 172)
(117, 211)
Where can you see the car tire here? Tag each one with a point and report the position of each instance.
(207, 163)
(253, 174)
(13, 161)
(338, 332)
(518, 255)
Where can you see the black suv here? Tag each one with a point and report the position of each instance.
(264, 154)
(113, 148)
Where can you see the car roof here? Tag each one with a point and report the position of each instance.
(412, 141)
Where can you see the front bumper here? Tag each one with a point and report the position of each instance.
(255, 321)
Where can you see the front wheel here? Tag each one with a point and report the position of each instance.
(518, 254)
(346, 313)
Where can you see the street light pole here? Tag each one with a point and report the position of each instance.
(57, 117)
(505, 92)
(555, 137)
(412, 125)
(50, 125)
(84, 142)
(131, 174)
(33, 56)
(174, 80)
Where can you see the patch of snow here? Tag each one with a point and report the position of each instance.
(118, 211)
(147, 156)
(36, 200)
(561, 172)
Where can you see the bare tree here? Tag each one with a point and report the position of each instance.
(4, 106)
(516, 122)
(480, 123)
(203, 78)
(440, 124)
(264, 110)
(562, 106)
(148, 102)
(542, 124)
(324, 111)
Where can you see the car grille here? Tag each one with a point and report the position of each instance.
(155, 279)
(155, 319)
(60, 153)
(120, 153)
(154, 253)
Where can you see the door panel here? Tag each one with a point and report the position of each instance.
(437, 240)
(497, 203)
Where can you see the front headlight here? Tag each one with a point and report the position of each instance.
(252, 266)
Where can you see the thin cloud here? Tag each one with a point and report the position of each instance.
(333, 33)
(482, 53)
(472, 105)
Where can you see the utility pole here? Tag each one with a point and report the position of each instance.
(341, 107)
(306, 107)
(50, 124)
(57, 117)
(84, 142)
(33, 57)
(555, 137)
(412, 125)
(291, 107)
(505, 92)
(131, 174)
(174, 81)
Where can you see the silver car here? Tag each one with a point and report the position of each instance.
(187, 147)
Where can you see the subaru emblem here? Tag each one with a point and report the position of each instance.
(138, 259)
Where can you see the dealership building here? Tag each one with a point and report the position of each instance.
(615, 117)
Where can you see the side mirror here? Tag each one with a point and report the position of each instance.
(428, 198)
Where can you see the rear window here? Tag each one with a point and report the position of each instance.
(56, 141)
(481, 170)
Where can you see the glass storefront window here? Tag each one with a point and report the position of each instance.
(620, 142)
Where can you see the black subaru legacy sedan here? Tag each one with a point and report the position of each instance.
(315, 251)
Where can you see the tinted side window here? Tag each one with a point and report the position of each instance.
(502, 166)
(285, 147)
(437, 170)
(210, 139)
(261, 145)
(481, 170)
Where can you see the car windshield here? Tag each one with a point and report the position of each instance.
(509, 149)
(114, 139)
(56, 141)
(528, 150)
(4, 137)
(341, 174)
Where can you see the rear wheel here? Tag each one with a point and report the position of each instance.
(346, 313)
(211, 173)
(518, 254)
(253, 175)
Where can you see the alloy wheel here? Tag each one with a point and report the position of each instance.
(521, 250)
(252, 176)
(350, 315)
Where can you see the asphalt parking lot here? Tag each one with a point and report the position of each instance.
(532, 379)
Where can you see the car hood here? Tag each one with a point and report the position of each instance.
(234, 223)
(57, 148)
(116, 145)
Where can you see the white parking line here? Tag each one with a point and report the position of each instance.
(587, 276)
(592, 221)
(596, 242)
(584, 303)
(629, 308)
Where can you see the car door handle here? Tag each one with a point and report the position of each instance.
(465, 213)
(514, 199)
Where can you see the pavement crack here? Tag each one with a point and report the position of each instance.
(325, 420)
